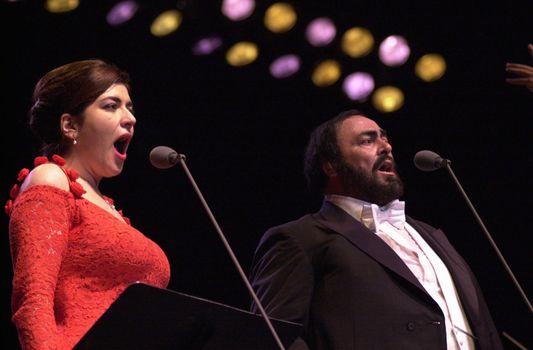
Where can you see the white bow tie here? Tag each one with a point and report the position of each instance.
(373, 216)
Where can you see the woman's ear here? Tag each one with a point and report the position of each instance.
(69, 126)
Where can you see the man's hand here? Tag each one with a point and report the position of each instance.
(522, 73)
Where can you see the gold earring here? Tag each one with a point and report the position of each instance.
(75, 142)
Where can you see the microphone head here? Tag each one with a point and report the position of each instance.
(163, 157)
(428, 161)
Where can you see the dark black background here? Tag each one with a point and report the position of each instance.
(244, 132)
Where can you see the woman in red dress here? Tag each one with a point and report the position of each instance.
(73, 252)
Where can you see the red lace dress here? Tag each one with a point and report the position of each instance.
(71, 260)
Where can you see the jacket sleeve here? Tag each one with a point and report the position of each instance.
(38, 228)
(282, 277)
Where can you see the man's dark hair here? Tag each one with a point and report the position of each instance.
(323, 147)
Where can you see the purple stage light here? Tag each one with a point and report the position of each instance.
(122, 12)
(358, 86)
(320, 32)
(285, 66)
(206, 46)
(394, 51)
(237, 10)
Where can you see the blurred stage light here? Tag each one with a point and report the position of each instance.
(242, 53)
(166, 23)
(326, 73)
(358, 86)
(320, 32)
(122, 12)
(357, 42)
(206, 46)
(430, 67)
(285, 66)
(394, 51)
(59, 6)
(237, 10)
(388, 99)
(280, 17)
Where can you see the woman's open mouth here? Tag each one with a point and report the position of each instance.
(121, 145)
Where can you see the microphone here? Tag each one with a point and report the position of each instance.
(163, 157)
(429, 161)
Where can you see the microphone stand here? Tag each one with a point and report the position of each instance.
(514, 341)
(487, 234)
(181, 159)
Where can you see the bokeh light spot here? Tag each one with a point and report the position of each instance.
(237, 10)
(394, 51)
(122, 12)
(430, 67)
(388, 99)
(59, 6)
(242, 53)
(285, 66)
(280, 17)
(357, 42)
(166, 23)
(326, 73)
(206, 46)
(320, 32)
(358, 86)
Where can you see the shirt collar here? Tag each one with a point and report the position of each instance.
(369, 214)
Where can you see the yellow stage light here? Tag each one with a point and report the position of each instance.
(166, 23)
(280, 17)
(357, 42)
(326, 73)
(388, 99)
(242, 53)
(58, 6)
(430, 67)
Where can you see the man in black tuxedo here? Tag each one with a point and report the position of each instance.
(359, 274)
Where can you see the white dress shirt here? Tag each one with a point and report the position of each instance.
(388, 222)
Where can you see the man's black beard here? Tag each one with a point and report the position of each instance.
(366, 186)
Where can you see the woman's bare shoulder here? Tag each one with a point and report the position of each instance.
(46, 174)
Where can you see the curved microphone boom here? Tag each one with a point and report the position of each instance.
(163, 157)
(429, 161)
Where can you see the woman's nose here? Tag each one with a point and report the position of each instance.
(128, 121)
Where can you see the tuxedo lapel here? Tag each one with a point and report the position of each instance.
(342, 223)
(456, 266)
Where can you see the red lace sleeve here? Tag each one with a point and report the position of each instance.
(39, 225)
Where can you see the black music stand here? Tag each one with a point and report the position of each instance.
(147, 317)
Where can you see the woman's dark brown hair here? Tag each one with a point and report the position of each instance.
(68, 89)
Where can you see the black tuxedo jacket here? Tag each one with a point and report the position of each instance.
(351, 291)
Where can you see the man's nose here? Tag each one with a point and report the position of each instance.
(385, 146)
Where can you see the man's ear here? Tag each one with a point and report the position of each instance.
(69, 126)
(329, 168)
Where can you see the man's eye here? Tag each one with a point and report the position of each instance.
(366, 141)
